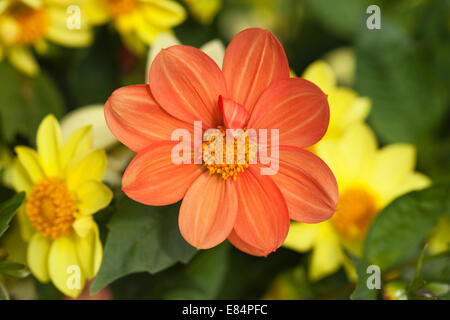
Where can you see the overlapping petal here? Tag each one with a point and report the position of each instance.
(263, 219)
(208, 211)
(297, 108)
(48, 140)
(29, 159)
(307, 184)
(91, 167)
(187, 84)
(236, 241)
(253, 60)
(64, 266)
(152, 178)
(37, 256)
(93, 196)
(137, 120)
(234, 115)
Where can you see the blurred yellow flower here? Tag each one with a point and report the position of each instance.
(440, 238)
(27, 24)
(346, 107)
(64, 189)
(204, 10)
(368, 178)
(343, 63)
(138, 21)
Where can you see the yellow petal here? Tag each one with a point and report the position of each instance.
(340, 100)
(96, 11)
(37, 256)
(26, 228)
(163, 14)
(440, 238)
(93, 115)
(357, 150)
(69, 38)
(146, 30)
(391, 167)
(92, 167)
(23, 60)
(327, 256)
(216, 50)
(321, 74)
(413, 181)
(17, 176)
(33, 3)
(77, 145)
(301, 236)
(83, 225)
(48, 141)
(358, 111)
(30, 161)
(343, 62)
(59, 32)
(204, 10)
(351, 156)
(64, 267)
(90, 251)
(93, 196)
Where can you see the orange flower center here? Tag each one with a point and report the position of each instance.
(243, 152)
(29, 24)
(119, 7)
(355, 210)
(51, 208)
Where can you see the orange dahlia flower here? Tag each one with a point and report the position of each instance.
(231, 201)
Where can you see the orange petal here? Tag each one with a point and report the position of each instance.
(297, 107)
(307, 184)
(137, 120)
(245, 247)
(234, 115)
(187, 84)
(253, 60)
(208, 211)
(263, 219)
(153, 179)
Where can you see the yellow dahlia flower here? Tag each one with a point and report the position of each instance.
(27, 24)
(369, 179)
(139, 22)
(64, 189)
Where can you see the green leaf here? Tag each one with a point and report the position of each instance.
(207, 271)
(362, 291)
(13, 269)
(141, 238)
(409, 99)
(437, 289)
(25, 101)
(343, 18)
(400, 230)
(8, 209)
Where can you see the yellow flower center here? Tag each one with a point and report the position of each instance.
(243, 152)
(119, 7)
(28, 25)
(51, 208)
(355, 210)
